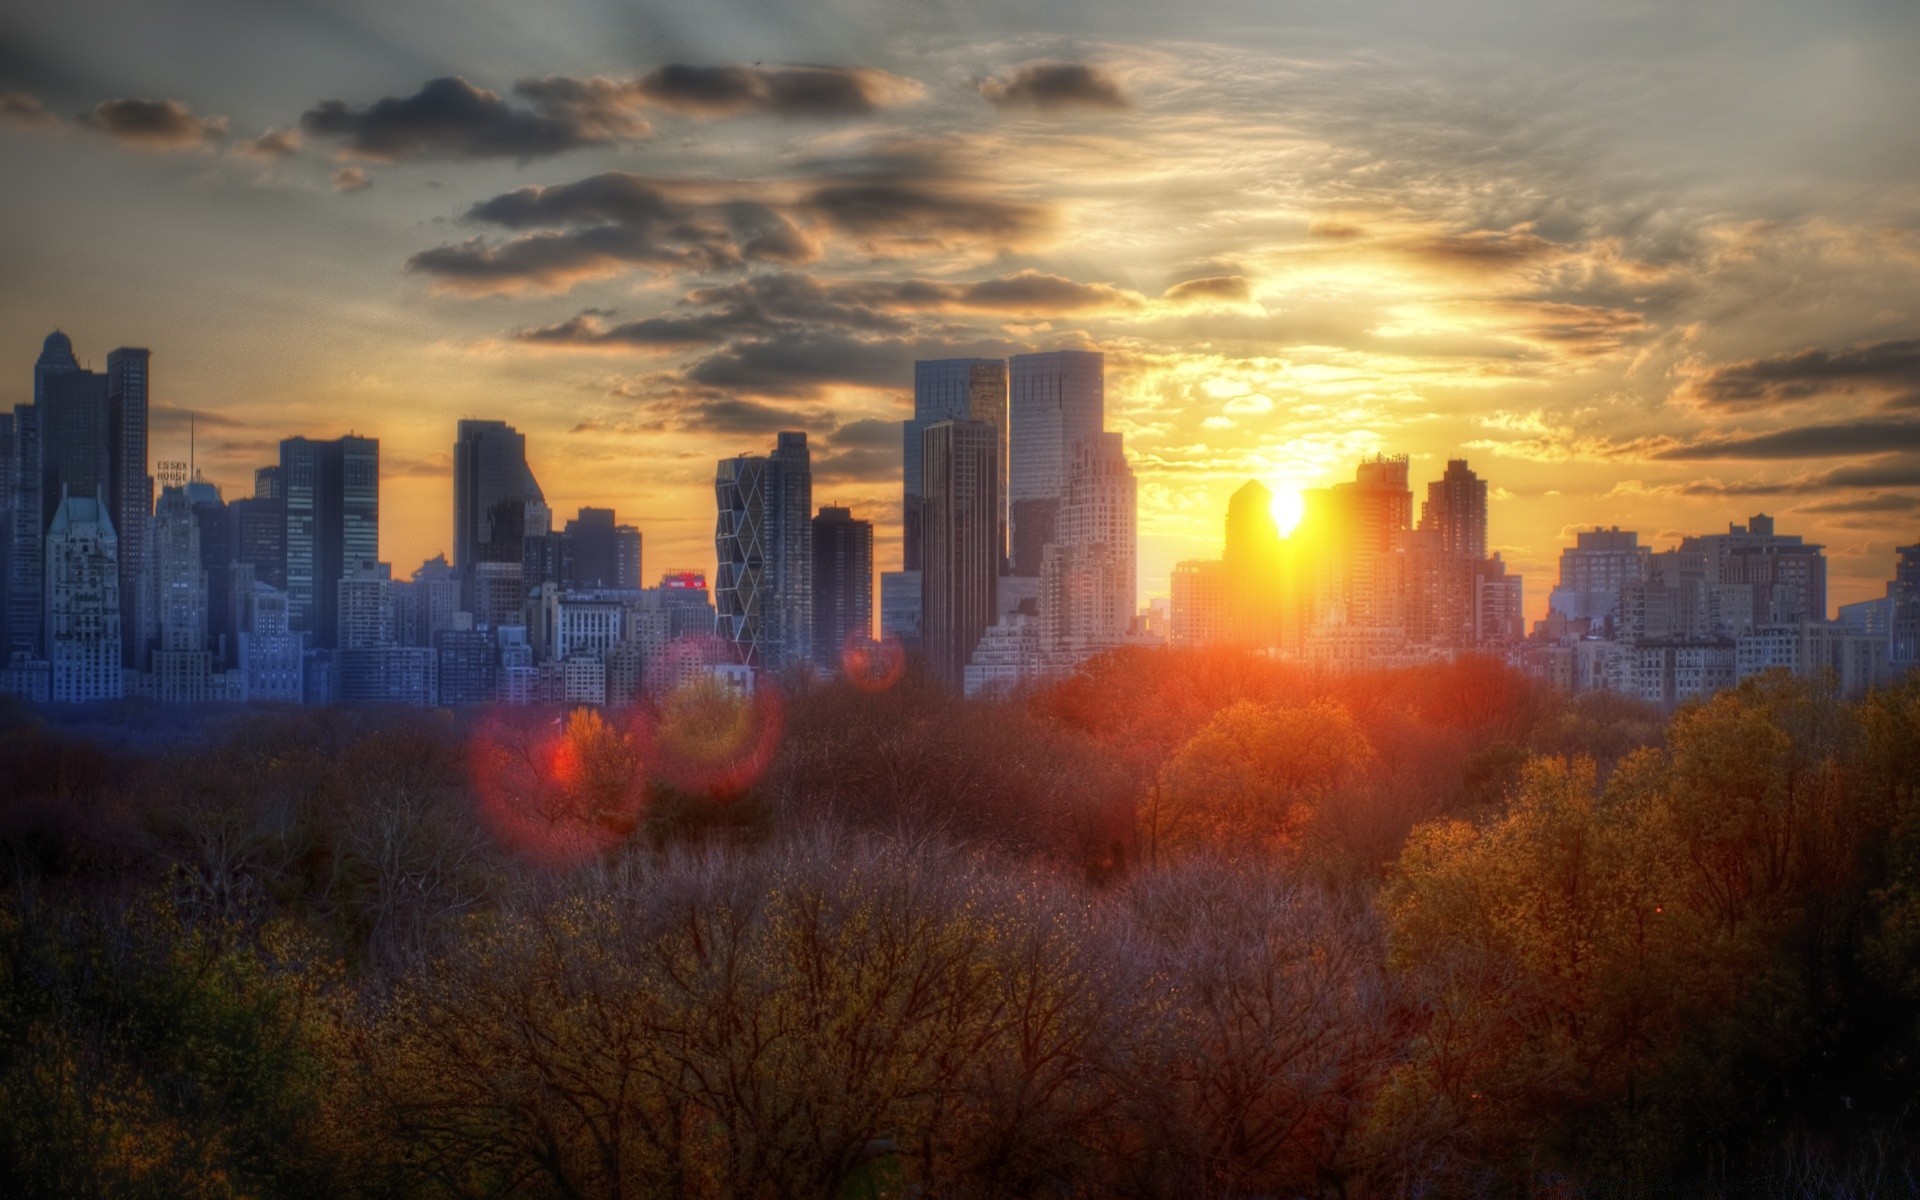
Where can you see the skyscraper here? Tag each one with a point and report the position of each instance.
(763, 541)
(596, 549)
(131, 490)
(1088, 577)
(960, 568)
(83, 602)
(1054, 400)
(842, 583)
(950, 389)
(332, 497)
(1251, 568)
(489, 469)
(179, 575)
(1456, 508)
(627, 557)
(26, 557)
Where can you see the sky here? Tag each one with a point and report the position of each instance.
(1646, 264)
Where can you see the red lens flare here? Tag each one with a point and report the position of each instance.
(557, 790)
(872, 666)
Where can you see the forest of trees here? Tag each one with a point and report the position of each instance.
(1189, 925)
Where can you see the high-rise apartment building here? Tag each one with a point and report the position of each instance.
(332, 497)
(1595, 570)
(1054, 400)
(960, 567)
(1456, 509)
(83, 602)
(842, 583)
(178, 575)
(950, 389)
(1903, 618)
(763, 541)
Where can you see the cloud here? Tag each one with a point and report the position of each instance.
(1807, 441)
(1230, 288)
(798, 362)
(271, 146)
(451, 118)
(600, 109)
(786, 300)
(868, 433)
(1888, 369)
(603, 225)
(785, 91)
(1484, 248)
(161, 125)
(18, 110)
(351, 179)
(616, 221)
(1052, 85)
(1888, 502)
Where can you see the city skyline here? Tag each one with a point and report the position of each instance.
(1572, 247)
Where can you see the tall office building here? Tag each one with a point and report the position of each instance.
(950, 389)
(83, 602)
(763, 541)
(1355, 527)
(489, 470)
(1456, 509)
(260, 536)
(842, 583)
(215, 522)
(131, 491)
(1089, 580)
(1054, 401)
(960, 567)
(332, 497)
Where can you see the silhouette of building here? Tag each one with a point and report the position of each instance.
(491, 480)
(1456, 509)
(960, 568)
(842, 583)
(1055, 400)
(763, 541)
(950, 389)
(900, 607)
(131, 487)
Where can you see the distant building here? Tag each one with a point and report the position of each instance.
(332, 496)
(270, 652)
(950, 389)
(1456, 509)
(763, 541)
(1054, 401)
(492, 487)
(83, 602)
(900, 607)
(842, 583)
(364, 607)
(1595, 570)
(1201, 610)
(961, 569)
(1089, 580)
(627, 557)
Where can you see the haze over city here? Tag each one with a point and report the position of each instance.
(1652, 266)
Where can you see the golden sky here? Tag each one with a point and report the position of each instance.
(1648, 265)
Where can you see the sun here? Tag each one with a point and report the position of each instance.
(1286, 506)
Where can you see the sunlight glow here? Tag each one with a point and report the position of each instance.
(1286, 507)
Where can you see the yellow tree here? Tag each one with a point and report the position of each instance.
(1252, 779)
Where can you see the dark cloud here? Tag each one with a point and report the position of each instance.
(1885, 503)
(270, 146)
(1232, 288)
(171, 417)
(799, 362)
(774, 91)
(602, 225)
(451, 118)
(1807, 441)
(153, 124)
(616, 220)
(600, 109)
(902, 215)
(1052, 85)
(351, 179)
(1492, 248)
(787, 301)
(869, 433)
(866, 464)
(1890, 369)
(18, 110)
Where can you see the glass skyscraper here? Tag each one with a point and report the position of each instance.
(1055, 400)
